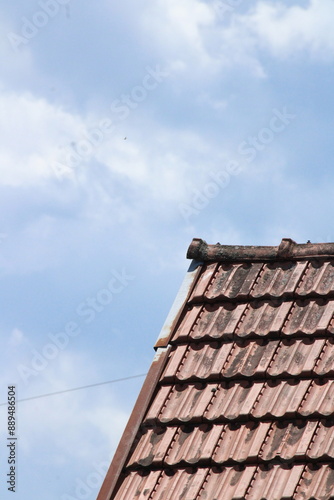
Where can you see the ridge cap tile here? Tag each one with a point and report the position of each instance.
(287, 250)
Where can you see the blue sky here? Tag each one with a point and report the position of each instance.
(127, 130)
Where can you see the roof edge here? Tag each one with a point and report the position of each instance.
(178, 305)
(287, 250)
(109, 486)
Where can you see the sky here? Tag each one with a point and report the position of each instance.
(128, 129)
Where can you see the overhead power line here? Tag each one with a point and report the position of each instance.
(78, 388)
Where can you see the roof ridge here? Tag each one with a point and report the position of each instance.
(288, 249)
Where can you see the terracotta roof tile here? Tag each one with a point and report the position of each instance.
(319, 399)
(275, 482)
(218, 321)
(190, 447)
(317, 483)
(179, 484)
(240, 442)
(226, 482)
(322, 446)
(137, 485)
(232, 400)
(235, 442)
(318, 279)
(242, 401)
(296, 356)
(288, 440)
(182, 403)
(263, 318)
(278, 279)
(281, 398)
(153, 446)
(198, 360)
(250, 357)
(233, 280)
(210, 321)
(204, 281)
(325, 365)
(309, 317)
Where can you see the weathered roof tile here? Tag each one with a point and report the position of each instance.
(232, 400)
(249, 358)
(281, 398)
(180, 483)
(226, 482)
(288, 440)
(190, 447)
(320, 398)
(296, 356)
(317, 483)
(323, 441)
(278, 279)
(137, 485)
(153, 446)
(275, 482)
(240, 442)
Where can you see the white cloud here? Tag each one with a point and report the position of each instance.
(36, 134)
(16, 338)
(197, 45)
(121, 180)
(178, 29)
(19, 64)
(204, 99)
(32, 132)
(285, 30)
(156, 163)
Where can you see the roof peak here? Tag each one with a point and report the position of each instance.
(287, 250)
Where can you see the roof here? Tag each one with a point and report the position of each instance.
(239, 400)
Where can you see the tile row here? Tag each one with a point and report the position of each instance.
(260, 318)
(248, 358)
(255, 280)
(200, 402)
(275, 482)
(225, 443)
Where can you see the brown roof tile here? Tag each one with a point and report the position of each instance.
(319, 399)
(232, 400)
(191, 447)
(287, 250)
(275, 482)
(262, 318)
(310, 316)
(198, 360)
(278, 279)
(179, 483)
(232, 281)
(153, 446)
(288, 440)
(137, 485)
(317, 483)
(318, 279)
(242, 402)
(325, 365)
(296, 356)
(322, 446)
(240, 442)
(226, 482)
(281, 398)
(250, 358)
